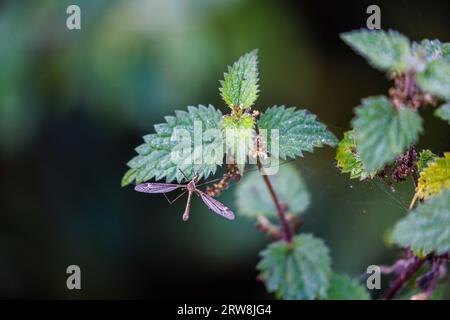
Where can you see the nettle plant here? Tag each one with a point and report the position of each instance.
(381, 145)
(248, 145)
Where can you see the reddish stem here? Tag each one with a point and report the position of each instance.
(403, 277)
(287, 232)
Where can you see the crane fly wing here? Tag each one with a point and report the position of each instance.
(154, 187)
(216, 206)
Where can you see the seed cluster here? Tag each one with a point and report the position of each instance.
(405, 92)
(231, 174)
(404, 166)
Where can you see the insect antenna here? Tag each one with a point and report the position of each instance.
(184, 174)
(248, 170)
(207, 182)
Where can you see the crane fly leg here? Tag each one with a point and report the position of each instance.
(188, 205)
(178, 197)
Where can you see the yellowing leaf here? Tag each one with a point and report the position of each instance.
(349, 160)
(435, 178)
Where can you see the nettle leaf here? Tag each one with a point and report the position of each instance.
(342, 287)
(386, 51)
(436, 79)
(239, 137)
(154, 158)
(240, 84)
(425, 156)
(298, 131)
(297, 270)
(129, 177)
(253, 197)
(382, 132)
(431, 50)
(426, 228)
(443, 112)
(434, 178)
(349, 160)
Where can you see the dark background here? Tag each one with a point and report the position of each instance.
(74, 104)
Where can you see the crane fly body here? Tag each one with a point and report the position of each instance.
(190, 188)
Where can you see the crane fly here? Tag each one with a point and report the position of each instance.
(190, 188)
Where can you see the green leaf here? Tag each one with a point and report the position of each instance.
(244, 122)
(240, 84)
(253, 197)
(349, 160)
(443, 112)
(431, 50)
(239, 137)
(425, 156)
(298, 131)
(128, 177)
(386, 51)
(436, 79)
(154, 158)
(382, 132)
(426, 228)
(343, 287)
(434, 178)
(299, 270)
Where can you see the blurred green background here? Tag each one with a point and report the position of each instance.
(74, 104)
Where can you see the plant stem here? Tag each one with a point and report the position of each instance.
(272, 231)
(445, 256)
(287, 232)
(403, 277)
